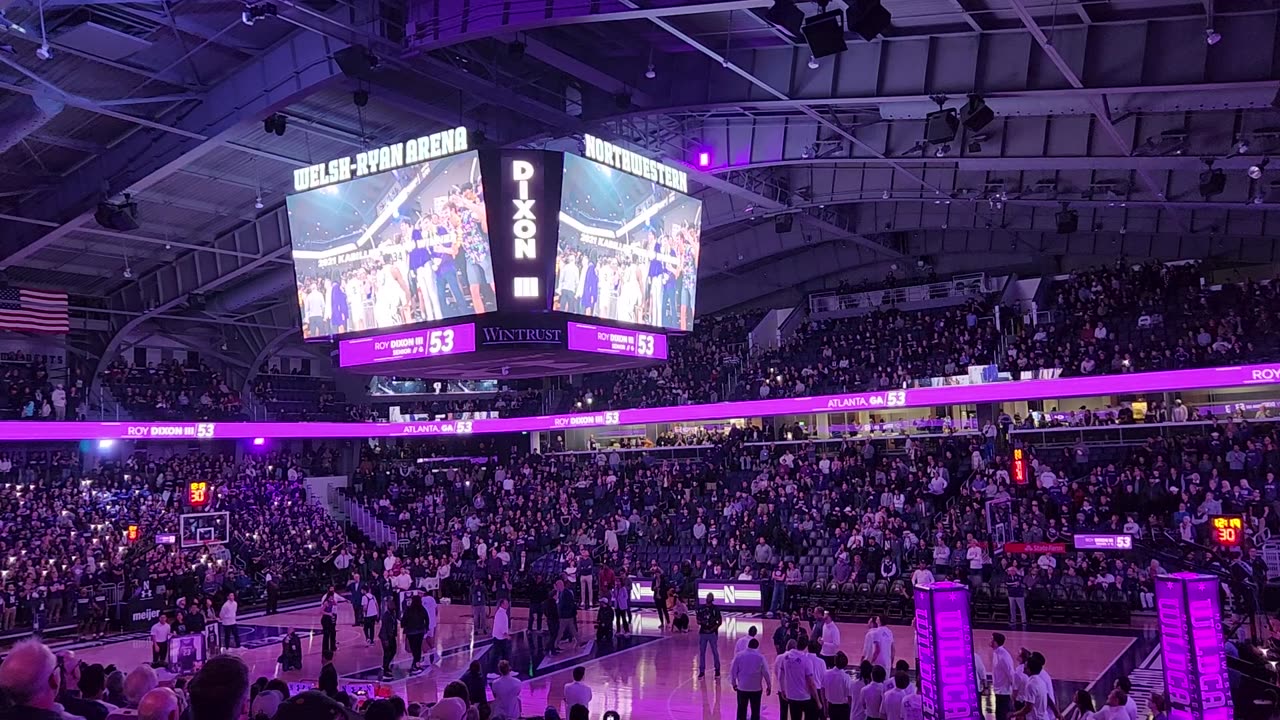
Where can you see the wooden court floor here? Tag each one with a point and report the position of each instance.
(649, 675)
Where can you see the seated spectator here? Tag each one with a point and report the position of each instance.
(29, 679)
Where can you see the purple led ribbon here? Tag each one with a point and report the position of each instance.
(1248, 375)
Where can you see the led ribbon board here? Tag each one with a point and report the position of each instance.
(1241, 376)
(412, 345)
(1195, 663)
(944, 646)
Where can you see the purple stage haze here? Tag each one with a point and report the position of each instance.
(1247, 375)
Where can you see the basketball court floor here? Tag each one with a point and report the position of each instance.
(650, 674)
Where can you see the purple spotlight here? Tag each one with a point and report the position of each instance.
(258, 442)
(704, 159)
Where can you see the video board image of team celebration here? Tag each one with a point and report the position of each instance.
(628, 248)
(401, 247)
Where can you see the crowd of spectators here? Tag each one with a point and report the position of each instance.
(172, 390)
(1141, 318)
(31, 390)
(68, 555)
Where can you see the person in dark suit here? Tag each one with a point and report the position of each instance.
(355, 592)
(328, 682)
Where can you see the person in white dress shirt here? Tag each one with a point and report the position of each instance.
(838, 688)
(873, 694)
(830, 640)
(1002, 673)
(502, 629)
(577, 692)
(506, 694)
(743, 641)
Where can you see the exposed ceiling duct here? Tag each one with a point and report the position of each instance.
(28, 116)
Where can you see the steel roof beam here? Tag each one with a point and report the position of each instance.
(298, 66)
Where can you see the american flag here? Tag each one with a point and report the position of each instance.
(33, 311)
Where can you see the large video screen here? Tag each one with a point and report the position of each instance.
(402, 247)
(628, 248)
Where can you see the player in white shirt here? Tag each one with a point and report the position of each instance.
(1035, 694)
(837, 688)
(1002, 674)
(873, 694)
(741, 644)
(877, 645)
(891, 705)
(830, 640)
(797, 684)
(1131, 709)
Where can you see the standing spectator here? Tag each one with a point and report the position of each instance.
(59, 398)
(577, 692)
(1017, 591)
(709, 620)
(388, 634)
(586, 579)
(567, 609)
(227, 617)
(415, 629)
(749, 675)
(368, 614)
(506, 693)
(502, 629)
(160, 634)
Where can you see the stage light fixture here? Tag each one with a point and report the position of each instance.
(360, 98)
(257, 202)
(976, 114)
(867, 18)
(975, 146)
(783, 224)
(1212, 182)
(1068, 221)
(257, 11)
(651, 73)
(785, 15)
(942, 150)
(1212, 37)
(274, 123)
(1256, 171)
(813, 63)
(119, 214)
(1242, 146)
(704, 158)
(825, 34)
(940, 126)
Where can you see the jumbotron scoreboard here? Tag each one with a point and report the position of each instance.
(432, 256)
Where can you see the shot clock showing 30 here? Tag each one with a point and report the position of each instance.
(1226, 530)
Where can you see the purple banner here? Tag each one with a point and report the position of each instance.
(890, 399)
(617, 341)
(412, 345)
(944, 646)
(1195, 665)
(1103, 542)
